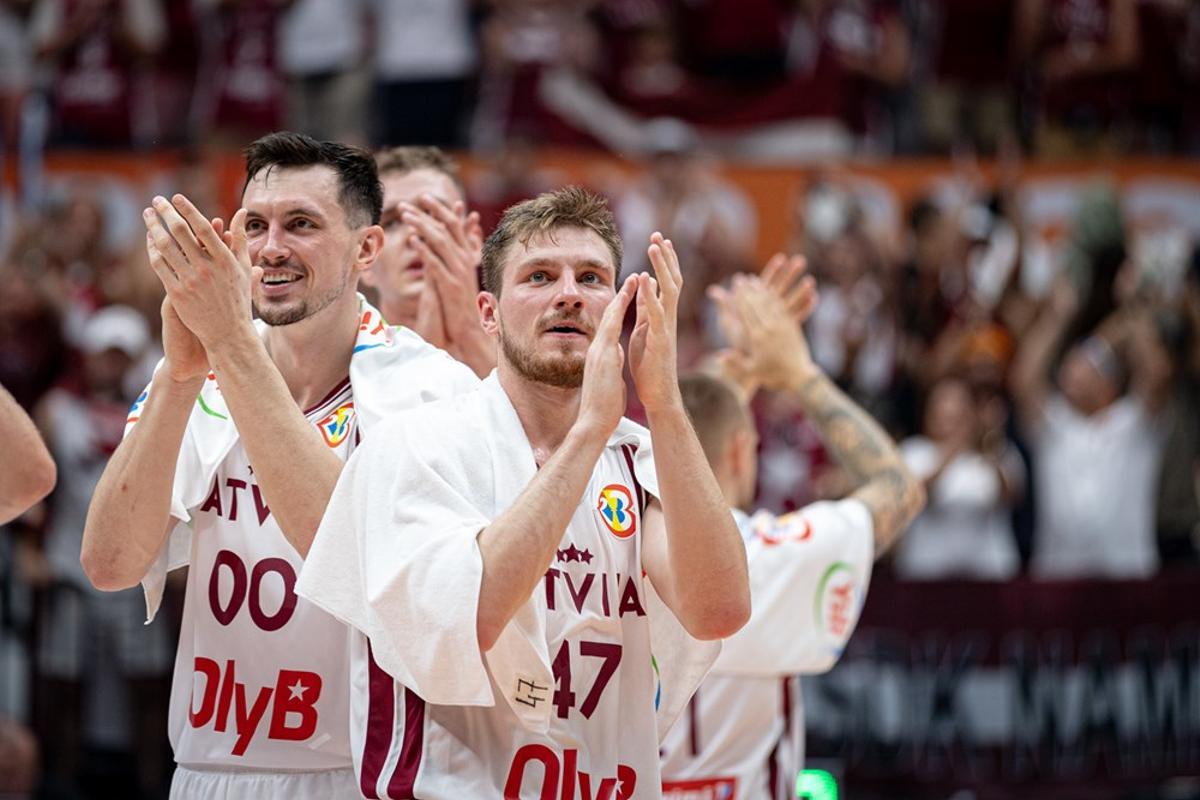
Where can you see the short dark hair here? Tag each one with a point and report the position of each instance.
(359, 192)
(572, 207)
(411, 158)
(715, 410)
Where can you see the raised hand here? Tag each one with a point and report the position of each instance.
(653, 343)
(450, 247)
(205, 269)
(601, 405)
(761, 318)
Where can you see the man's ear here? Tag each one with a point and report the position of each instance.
(369, 248)
(489, 313)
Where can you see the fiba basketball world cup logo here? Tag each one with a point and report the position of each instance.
(615, 507)
(335, 426)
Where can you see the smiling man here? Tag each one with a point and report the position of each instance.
(532, 613)
(233, 451)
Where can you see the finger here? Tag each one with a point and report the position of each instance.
(436, 269)
(199, 225)
(666, 265)
(727, 316)
(168, 248)
(449, 216)
(609, 329)
(218, 226)
(653, 305)
(809, 300)
(164, 272)
(435, 234)
(238, 242)
(771, 271)
(791, 273)
(174, 223)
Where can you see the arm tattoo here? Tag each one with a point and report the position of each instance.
(865, 451)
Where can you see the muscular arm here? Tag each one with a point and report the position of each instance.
(130, 513)
(294, 467)
(29, 472)
(691, 548)
(518, 546)
(891, 493)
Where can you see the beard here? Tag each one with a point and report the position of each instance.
(289, 314)
(564, 370)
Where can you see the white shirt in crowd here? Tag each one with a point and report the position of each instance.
(1095, 478)
(419, 40)
(965, 530)
(742, 735)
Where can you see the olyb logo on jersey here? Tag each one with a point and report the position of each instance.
(615, 507)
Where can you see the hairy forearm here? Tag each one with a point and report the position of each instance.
(293, 466)
(127, 521)
(893, 495)
(707, 583)
(517, 547)
(32, 476)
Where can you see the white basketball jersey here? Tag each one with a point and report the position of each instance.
(742, 735)
(602, 741)
(261, 675)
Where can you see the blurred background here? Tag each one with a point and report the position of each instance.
(1001, 204)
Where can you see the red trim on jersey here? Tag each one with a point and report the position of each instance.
(628, 450)
(332, 394)
(694, 719)
(381, 714)
(404, 779)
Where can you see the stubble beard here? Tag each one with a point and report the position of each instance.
(291, 314)
(563, 372)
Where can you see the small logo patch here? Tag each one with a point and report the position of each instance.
(616, 509)
(335, 426)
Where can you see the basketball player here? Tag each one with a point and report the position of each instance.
(515, 598)
(237, 444)
(22, 484)
(427, 271)
(742, 735)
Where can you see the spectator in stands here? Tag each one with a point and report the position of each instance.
(424, 60)
(854, 335)
(1096, 444)
(1081, 54)
(241, 88)
(520, 41)
(967, 99)
(1178, 501)
(711, 223)
(848, 59)
(106, 670)
(99, 50)
(322, 49)
(972, 478)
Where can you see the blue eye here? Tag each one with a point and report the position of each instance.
(537, 277)
(591, 277)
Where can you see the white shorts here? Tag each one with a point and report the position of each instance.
(215, 784)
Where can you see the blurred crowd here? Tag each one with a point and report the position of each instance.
(757, 78)
(1052, 408)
